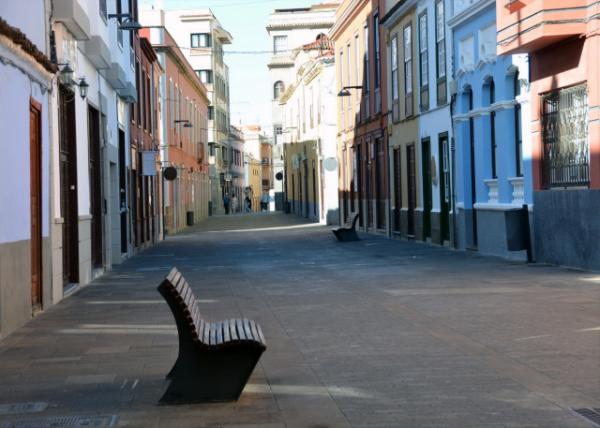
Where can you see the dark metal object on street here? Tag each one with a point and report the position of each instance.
(190, 218)
(518, 236)
(348, 231)
(215, 359)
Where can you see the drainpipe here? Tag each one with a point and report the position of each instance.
(453, 165)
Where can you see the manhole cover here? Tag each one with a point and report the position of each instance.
(592, 415)
(64, 422)
(16, 408)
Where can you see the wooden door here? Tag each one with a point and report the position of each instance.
(427, 200)
(397, 188)
(35, 195)
(444, 172)
(412, 188)
(95, 186)
(68, 186)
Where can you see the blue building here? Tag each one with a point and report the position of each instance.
(491, 119)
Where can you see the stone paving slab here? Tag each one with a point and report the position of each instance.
(374, 333)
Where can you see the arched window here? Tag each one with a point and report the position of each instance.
(278, 89)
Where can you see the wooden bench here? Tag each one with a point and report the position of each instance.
(215, 359)
(348, 231)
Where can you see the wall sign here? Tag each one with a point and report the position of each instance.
(149, 163)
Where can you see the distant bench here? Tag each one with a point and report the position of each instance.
(348, 231)
(215, 359)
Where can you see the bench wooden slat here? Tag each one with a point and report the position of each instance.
(179, 285)
(219, 333)
(171, 274)
(213, 334)
(247, 329)
(254, 330)
(240, 329)
(226, 334)
(206, 333)
(260, 334)
(232, 330)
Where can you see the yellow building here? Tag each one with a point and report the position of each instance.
(403, 125)
(254, 182)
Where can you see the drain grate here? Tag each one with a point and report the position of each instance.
(16, 408)
(64, 422)
(592, 415)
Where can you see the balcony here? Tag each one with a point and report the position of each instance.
(72, 15)
(525, 26)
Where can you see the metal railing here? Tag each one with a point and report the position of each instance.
(565, 138)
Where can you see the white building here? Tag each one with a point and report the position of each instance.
(288, 29)
(201, 38)
(26, 79)
(309, 116)
(78, 158)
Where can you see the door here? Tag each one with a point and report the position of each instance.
(369, 184)
(95, 186)
(472, 218)
(397, 188)
(35, 195)
(68, 187)
(444, 188)
(412, 189)
(426, 173)
(359, 178)
(123, 191)
(380, 182)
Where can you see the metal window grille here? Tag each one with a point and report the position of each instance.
(565, 138)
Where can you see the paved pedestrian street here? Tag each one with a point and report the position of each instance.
(375, 333)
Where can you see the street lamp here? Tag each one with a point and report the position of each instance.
(345, 92)
(129, 24)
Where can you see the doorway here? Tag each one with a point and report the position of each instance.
(427, 200)
(35, 197)
(123, 191)
(397, 154)
(95, 186)
(412, 189)
(444, 188)
(471, 214)
(68, 186)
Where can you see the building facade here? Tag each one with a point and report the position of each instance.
(27, 74)
(360, 46)
(289, 28)
(235, 177)
(400, 21)
(309, 114)
(202, 38)
(145, 164)
(563, 45)
(254, 142)
(183, 119)
(493, 167)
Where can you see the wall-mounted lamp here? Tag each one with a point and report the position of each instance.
(66, 74)
(83, 87)
(345, 92)
(129, 24)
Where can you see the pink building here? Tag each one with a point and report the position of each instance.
(562, 40)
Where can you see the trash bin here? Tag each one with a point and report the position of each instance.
(190, 218)
(517, 230)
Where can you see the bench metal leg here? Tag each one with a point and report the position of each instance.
(346, 235)
(211, 375)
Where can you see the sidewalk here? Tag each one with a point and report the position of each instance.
(375, 333)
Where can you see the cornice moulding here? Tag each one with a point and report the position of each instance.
(469, 12)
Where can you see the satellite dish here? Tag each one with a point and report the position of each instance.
(279, 176)
(330, 164)
(170, 173)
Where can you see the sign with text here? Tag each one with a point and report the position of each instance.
(149, 163)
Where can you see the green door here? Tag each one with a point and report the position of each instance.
(444, 188)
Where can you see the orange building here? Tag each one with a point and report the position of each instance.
(563, 43)
(183, 115)
(145, 165)
(360, 58)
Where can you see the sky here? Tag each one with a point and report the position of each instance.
(249, 84)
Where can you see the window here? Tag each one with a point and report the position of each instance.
(565, 160)
(356, 73)
(279, 44)
(487, 43)
(200, 40)
(278, 89)
(423, 62)
(377, 54)
(465, 52)
(394, 74)
(518, 131)
(440, 49)
(206, 76)
(377, 64)
(366, 73)
(341, 86)
(119, 31)
(349, 80)
(211, 113)
(492, 89)
(408, 100)
(103, 11)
